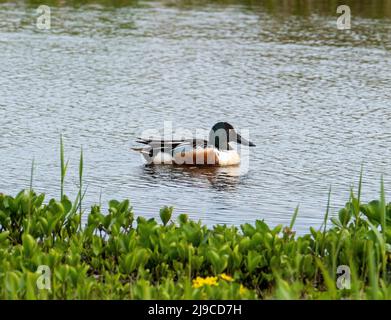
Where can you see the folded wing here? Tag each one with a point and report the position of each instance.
(154, 146)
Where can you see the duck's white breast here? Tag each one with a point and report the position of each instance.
(160, 158)
(228, 158)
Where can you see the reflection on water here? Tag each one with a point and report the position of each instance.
(218, 178)
(316, 101)
(362, 8)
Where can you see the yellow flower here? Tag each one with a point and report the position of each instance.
(226, 277)
(200, 282)
(242, 290)
(211, 281)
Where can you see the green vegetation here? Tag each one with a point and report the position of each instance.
(113, 257)
(362, 8)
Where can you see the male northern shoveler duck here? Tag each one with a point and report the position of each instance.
(213, 152)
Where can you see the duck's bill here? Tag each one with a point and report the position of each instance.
(243, 141)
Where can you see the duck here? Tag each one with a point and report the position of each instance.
(216, 151)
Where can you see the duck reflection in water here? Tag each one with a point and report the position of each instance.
(219, 178)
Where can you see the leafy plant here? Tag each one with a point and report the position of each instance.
(112, 257)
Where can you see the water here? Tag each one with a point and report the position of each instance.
(315, 99)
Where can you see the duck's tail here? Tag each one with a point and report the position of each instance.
(141, 150)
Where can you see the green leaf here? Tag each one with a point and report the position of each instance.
(29, 245)
(165, 214)
(293, 220)
(253, 261)
(183, 218)
(4, 235)
(344, 216)
(248, 229)
(12, 282)
(67, 204)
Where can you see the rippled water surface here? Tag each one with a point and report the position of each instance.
(315, 99)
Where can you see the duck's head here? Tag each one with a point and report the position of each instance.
(222, 133)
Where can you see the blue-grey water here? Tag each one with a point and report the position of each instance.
(316, 101)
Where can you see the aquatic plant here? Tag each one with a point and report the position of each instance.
(111, 257)
(114, 257)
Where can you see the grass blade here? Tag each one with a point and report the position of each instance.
(326, 217)
(382, 207)
(360, 184)
(32, 175)
(63, 165)
(81, 184)
(294, 217)
(373, 277)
